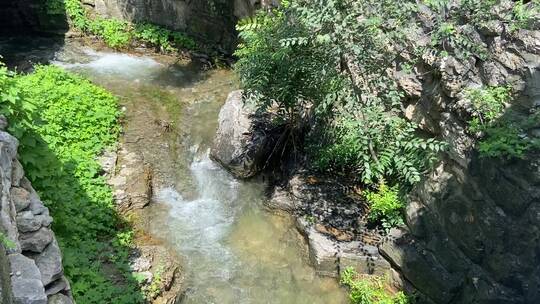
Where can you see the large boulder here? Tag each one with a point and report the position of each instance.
(239, 145)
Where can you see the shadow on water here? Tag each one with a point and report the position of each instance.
(30, 32)
(32, 16)
(474, 231)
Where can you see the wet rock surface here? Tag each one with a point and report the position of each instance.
(151, 259)
(331, 217)
(327, 200)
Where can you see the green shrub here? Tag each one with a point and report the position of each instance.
(488, 105)
(385, 206)
(508, 137)
(318, 57)
(114, 32)
(119, 34)
(75, 11)
(503, 131)
(165, 39)
(378, 146)
(63, 123)
(14, 106)
(369, 290)
(182, 40)
(154, 35)
(522, 14)
(6, 243)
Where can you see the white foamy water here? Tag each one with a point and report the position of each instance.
(114, 65)
(205, 220)
(235, 252)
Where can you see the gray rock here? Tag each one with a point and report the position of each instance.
(20, 197)
(57, 286)
(529, 40)
(26, 282)
(365, 259)
(36, 241)
(8, 144)
(237, 146)
(323, 253)
(3, 123)
(17, 173)
(60, 299)
(363, 264)
(281, 200)
(27, 222)
(409, 83)
(28, 291)
(23, 267)
(36, 205)
(410, 256)
(49, 263)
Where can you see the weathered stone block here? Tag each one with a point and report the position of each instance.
(323, 253)
(49, 263)
(59, 299)
(36, 241)
(26, 282)
(20, 198)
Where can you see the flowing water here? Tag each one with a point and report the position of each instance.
(233, 250)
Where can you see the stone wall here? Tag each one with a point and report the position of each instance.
(31, 267)
(212, 21)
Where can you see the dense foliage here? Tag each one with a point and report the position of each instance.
(331, 64)
(63, 123)
(503, 131)
(386, 206)
(117, 33)
(370, 290)
(488, 105)
(310, 53)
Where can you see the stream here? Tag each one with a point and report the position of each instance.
(232, 249)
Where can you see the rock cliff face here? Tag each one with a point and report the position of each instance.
(30, 260)
(472, 230)
(212, 21)
(473, 225)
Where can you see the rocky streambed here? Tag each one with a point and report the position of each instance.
(206, 233)
(329, 212)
